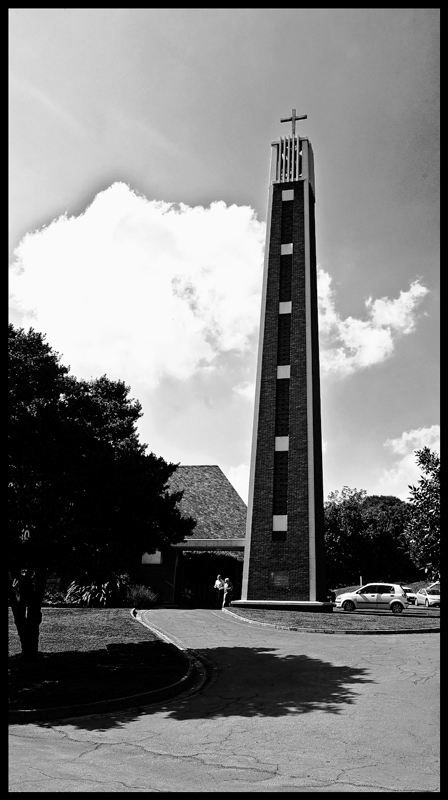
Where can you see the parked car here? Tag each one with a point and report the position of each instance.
(410, 594)
(428, 597)
(386, 596)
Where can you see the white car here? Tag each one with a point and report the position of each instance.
(410, 594)
(428, 597)
(386, 596)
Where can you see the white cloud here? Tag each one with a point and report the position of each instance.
(167, 298)
(246, 389)
(351, 344)
(405, 471)
(415, 440)
(140, 289)
(397, 314)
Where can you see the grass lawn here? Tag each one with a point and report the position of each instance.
(344, 621)
(87, 655)
(410, 619)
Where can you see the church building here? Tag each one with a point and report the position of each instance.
(187, 571)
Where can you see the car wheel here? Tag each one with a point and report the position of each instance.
(348, 606)
(427, 603)
(396, 608)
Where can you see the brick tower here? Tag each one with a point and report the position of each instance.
(284, 559)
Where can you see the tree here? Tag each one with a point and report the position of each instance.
(343, 529)
(386, 549)
(423, 528)
(364, 536)
(85, 498)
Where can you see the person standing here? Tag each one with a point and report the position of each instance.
(219, 588)
(228, 592)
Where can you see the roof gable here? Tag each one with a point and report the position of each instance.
(210, 498)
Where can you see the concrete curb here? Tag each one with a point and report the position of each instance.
(205, 668)
(194, 679)
(393, 632)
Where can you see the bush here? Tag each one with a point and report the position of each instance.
(117, 592)
(140, 596)
(96, 594)
(54, 597)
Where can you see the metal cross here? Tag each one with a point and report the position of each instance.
(293, 120)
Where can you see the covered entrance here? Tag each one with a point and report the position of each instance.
(190, 570)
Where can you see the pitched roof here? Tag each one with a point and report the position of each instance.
(210, 498)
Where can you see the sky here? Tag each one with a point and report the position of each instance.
(139, 148)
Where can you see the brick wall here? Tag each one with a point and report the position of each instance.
(321, 587)
(286, 554)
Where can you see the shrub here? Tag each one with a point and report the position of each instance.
(95, 594)
(140, 596)
(54, 597)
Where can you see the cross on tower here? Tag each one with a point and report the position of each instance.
(293, 119)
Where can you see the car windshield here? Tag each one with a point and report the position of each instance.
(433, 591)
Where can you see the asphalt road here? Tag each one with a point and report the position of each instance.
(283, 712)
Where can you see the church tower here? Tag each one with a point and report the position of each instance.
(284, 559)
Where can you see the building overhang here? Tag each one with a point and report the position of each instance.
(210, 544)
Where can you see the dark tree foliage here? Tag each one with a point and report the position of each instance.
(423, 528)
(85, 499)
(343, 541)
(385, 518)
(364, 537)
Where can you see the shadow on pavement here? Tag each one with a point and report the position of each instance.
(71, 677)
(251, 682)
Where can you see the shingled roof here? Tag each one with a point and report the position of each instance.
(210, 498)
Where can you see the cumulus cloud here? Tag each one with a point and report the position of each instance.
(142, 289)
(415, 440)
(405, 471)
(351, 344)
(167, 298)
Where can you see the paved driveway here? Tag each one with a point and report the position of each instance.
(285, 711)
